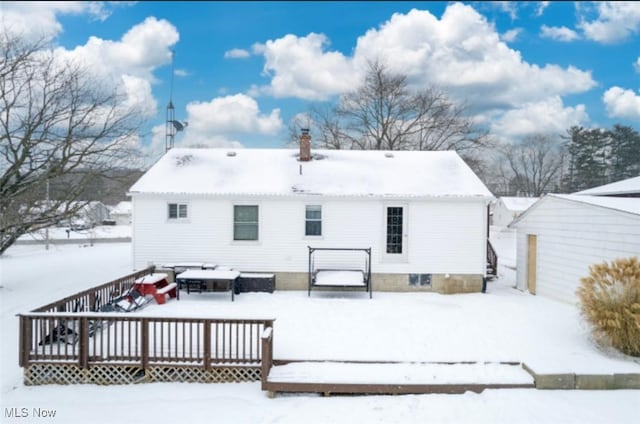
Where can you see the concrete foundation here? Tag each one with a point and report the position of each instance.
(439, 283)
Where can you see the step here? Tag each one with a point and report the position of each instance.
(349, 377)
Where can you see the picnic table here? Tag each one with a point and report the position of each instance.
(156, 285)
(199, 280)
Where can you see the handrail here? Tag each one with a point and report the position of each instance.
(492, 258)
(96, 338)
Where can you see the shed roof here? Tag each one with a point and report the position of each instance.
(624, 187)
(621, 204)
(221, 171)
(518, 204)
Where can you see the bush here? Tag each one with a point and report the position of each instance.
(610, 302)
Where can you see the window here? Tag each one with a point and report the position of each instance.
(313, 220)
(177, 211)
(394, 230)
(245, 222)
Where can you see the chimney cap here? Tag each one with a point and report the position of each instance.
(305, 131)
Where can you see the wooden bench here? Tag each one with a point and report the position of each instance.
(160, 295)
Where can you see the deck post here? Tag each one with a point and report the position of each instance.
(267, 356)
(83, 345)
(24, 341)
(144, 343)
(206, 339)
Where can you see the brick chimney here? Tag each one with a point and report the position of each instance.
(305, 145)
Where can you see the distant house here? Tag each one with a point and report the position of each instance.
(121, 213)
(423, 214)
(560, 236)
(626, 188)
(89, 215)
(506, 209)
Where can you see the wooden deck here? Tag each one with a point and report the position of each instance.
(394, 378)
(332, 377)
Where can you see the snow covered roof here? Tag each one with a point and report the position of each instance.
(278, 172)
(628, 186)
(518, 204)
(623, 204)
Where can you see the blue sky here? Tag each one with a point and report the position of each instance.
(244, 70)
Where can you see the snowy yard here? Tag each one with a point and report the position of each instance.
(501, 325)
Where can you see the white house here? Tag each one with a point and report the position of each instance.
(506, 209)
(560, 236)
(121, 213)
(423, 214)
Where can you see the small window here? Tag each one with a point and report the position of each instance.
(177, 211)
(313, 220)
(245, 222)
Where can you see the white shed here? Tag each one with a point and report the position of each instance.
(423, 214)
(560, 236)
(506, 209)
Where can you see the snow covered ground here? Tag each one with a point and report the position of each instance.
(501, 325)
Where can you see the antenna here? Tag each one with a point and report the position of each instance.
(172, 126)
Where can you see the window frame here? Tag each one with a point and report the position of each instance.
(235, 238)
(308, 220)
(179, 207)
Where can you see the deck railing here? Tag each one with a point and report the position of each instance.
(492, 260)
(86, 339)
(91, 299)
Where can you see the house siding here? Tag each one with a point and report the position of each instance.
(571, 236)
(443, 236)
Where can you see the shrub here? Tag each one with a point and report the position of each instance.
(610, 302)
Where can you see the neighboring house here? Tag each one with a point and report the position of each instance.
(625, 188)
(121, 213)
(560, 236)
(423, 214)
(91, 214)
(506, 209)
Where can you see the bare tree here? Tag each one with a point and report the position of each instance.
(61, 132)
(533, 166)
(385, 114)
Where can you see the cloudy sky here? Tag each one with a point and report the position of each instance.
(243, 70)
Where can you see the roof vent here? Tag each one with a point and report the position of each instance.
(388, 155)
(231, 154)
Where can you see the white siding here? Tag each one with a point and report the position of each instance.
(571, 237)
(443, 236)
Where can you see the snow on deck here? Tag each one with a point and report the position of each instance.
(399, 373)
(339, 278)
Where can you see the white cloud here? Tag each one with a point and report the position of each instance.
(637, 65)
(511, 35)
(37, 21)
(615, 21)
(509, 7)
(558, 33)
(463, 54)
(622, 103)
(545, 116)
(541, 6)
(236, 54)
(131, 61)
(238, 113)
(300, 67)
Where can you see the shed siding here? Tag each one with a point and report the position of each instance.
(443, 236)
(571, 237)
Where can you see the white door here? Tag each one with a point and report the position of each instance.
(395, 233)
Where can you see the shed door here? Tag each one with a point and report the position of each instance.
(396, 232)
(532, 262)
